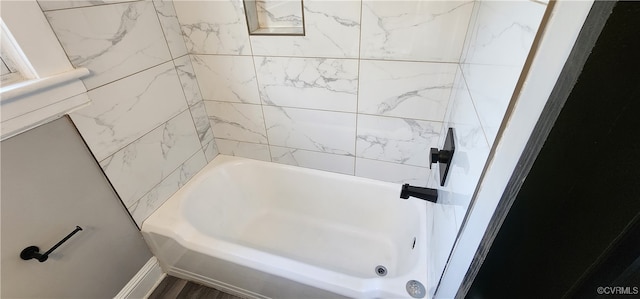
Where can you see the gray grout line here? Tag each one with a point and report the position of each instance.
(183, 55)
(264, 119)
(324, 110)
(475, 110)
(145, 134)
(193, 120)
(164, 33)
(330, 57)
(175, 69)
(409, 165)
(355, 145)
(466, 34)
(168, 175)
(194, 73)
(307, 150)
(240, 141)
(203, 101)
(132, 74)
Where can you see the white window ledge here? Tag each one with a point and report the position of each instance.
(30, 103)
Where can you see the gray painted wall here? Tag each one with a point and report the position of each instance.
(51, 183)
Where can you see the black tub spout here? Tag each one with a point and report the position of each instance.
(427, 194)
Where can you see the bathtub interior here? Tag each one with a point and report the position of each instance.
(314, 228)
(342, 223)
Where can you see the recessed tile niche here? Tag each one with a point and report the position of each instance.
(274, 17)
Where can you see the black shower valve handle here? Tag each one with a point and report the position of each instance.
(433, 157)
(438, 156)
(444, 156)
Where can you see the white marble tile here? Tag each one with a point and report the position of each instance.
(202, 123)
(392, 172)
(417, 90)
(278, 13)
(151, 201)
(214, 27)
(124, 110)
(138, 167)
(241, 122)
(64, 4)
(210, 150)
(332, 29)
(321, 131)
(188, 80)
(503, 32)
(170, 27)
(442, 238)
(316, 160)
(315, 83)
(244, 149)
(414, 30)
(491, 88)
(471, 152)
(112, 41)
(462, 115)
(226, 78)
(397, 140)
(468, 162)
(470, 28)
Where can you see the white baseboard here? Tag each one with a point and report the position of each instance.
(144, 282)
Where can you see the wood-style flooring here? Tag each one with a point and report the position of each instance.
(175, 288)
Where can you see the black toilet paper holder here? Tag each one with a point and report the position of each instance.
(33, 252)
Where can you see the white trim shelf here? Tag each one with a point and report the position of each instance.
(19, 89)
(27, 104)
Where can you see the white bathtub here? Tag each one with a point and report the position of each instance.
(264, 230)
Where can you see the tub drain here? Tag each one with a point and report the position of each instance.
(416, 289)
(381, 270)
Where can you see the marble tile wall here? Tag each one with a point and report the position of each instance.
(498, 42)
(414, 30)
(495, 52)
(364, 92)
(147, 124)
